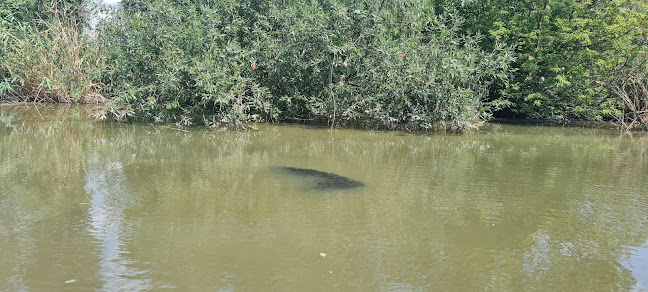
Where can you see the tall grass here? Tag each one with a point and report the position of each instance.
(50, 60)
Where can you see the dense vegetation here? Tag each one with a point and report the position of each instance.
(416, 64)
(217, 62)
(572, 56)
(45, 55)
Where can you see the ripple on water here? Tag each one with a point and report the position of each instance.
(637, 263)
(516, 209)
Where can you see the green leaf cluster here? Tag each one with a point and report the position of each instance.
(568, 51)
(413, 64)
(398, 64)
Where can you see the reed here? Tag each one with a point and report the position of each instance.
(50, 60)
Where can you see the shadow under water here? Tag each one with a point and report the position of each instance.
(323, 180)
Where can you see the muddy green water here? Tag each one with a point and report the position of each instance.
(97, 206)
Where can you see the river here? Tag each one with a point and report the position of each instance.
(91, 205)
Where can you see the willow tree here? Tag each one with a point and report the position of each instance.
(394, 63)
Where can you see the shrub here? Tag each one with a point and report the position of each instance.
(397, 63)
(228, 62)
(180, 62)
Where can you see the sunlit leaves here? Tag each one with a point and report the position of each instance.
(567, 49)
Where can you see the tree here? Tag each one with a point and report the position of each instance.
(567, 51)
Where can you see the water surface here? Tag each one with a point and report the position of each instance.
(88, 205)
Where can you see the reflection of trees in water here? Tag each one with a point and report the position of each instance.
(510, 210)
(18, 245)
(524, 200)
(513, 209)
(41, 183)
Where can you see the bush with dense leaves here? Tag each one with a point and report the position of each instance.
(568, 52)
(226, 62)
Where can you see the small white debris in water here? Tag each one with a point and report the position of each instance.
(330, 272)
(70, 281)
(322, 254)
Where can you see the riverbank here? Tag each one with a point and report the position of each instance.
(97, 112)
(421, 67)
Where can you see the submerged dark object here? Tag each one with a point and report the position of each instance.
(324, 180)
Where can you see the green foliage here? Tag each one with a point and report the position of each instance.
(44, 55)
(226, 62)
(181, 62)
(567, 50)
(411, 64)
(398, 64)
